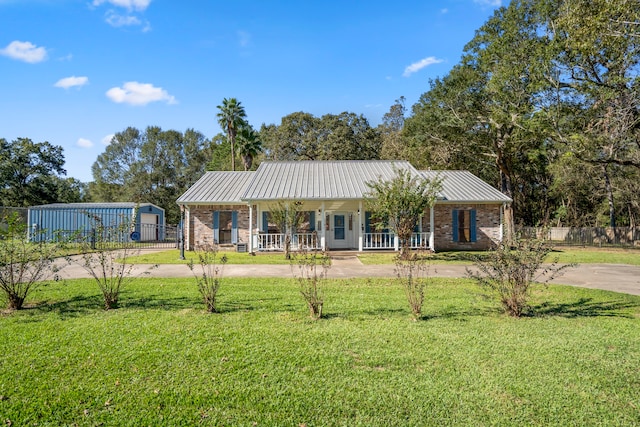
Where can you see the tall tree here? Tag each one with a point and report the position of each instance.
(231, 116)
(391, 131)
(302, 136)
(249, 145)
(596, 69)
(28, 172)
(488, 109)
(152, 166)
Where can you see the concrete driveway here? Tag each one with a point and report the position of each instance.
(611, 277)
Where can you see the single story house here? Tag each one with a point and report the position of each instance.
(145, 222)
(231, 208)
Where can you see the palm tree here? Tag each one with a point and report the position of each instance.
(231, 117)
(249, 145)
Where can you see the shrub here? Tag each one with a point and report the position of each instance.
(510, 270)
(104, 256)
(310, 268)
(412, 271)
(23, 263)
(210, 276)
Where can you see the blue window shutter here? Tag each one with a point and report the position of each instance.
(265, 222)
(472, 225)
(312, 220)
(454, 221)
(216, 227)
(234, 227)
(367, 222)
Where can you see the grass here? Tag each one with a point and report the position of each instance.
(564, 255)
(161, 360)
(173, 257)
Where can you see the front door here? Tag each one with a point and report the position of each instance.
(338, 235)
(338, 227)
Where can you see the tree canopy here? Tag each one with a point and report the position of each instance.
(32, 173)
(302, 136)
(152, 166)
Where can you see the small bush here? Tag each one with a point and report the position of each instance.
(23, 263)
(412, 271)
(512, 268)
(105, 259)
(210, 274)
(310, 269)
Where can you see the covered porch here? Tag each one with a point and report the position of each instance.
(331, 225)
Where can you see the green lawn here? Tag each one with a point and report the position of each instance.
(161, 360)
(173, 257)
(564, 255)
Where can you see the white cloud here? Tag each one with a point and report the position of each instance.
(135, 93)
(127, 4)
(24, 51)
(84, 143)
(106, 140)
(417, 66)
(244, 38)
(72, 81)
(493, 3)
(116, 20)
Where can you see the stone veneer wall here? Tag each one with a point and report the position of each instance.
(200, 222)
(487, 227)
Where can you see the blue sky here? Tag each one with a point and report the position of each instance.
(74, 72)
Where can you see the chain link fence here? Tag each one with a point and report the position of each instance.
(628, 237)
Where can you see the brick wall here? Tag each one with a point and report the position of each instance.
(200, 223)
(487, 227)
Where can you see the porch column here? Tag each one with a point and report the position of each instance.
(250, 228)
(432, 234)
(360, 225)
(323, 231)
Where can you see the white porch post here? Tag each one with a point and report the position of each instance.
(250, 228)
(360, 213)
(323, 231)
(432, 234)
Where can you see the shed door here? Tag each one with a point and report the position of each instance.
(148, 227)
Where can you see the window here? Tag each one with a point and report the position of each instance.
(224, 236)
(225, 227)
(464, 225)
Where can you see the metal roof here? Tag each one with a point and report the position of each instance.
(327, 180)
(217, 187)
(324, 180)
(463, 186)
(97, 205)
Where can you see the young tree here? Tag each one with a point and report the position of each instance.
(287, 214)
(512, 268)
(400, 202)
(312, 268)
(105, 257)
(231, 117)
(209, 278)
(24, 264)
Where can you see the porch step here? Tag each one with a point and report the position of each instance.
(345, 260)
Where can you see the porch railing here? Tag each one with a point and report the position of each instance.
(378, 241)
(299, 241)
(420, 241)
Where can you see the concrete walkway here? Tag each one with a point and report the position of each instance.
(612, 277)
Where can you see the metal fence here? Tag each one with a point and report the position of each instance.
(140, 236)
(585, 236)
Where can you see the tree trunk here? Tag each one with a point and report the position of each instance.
(612, 209)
